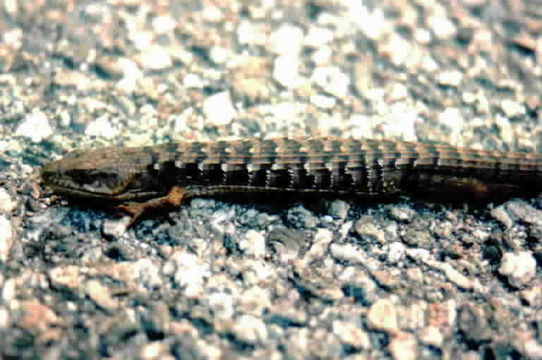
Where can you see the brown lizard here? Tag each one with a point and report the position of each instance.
(140, 179)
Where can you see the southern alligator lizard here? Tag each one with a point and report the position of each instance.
(162, 176)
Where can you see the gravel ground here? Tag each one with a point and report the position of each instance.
(319, 279)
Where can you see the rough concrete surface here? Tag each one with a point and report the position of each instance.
(318, 279)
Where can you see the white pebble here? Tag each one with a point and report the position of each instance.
(212, 14)
(382, 316)
(332, 80)
(287, 39)
(253, 243)
(512, 108)
(248, 34)
(163, 24)
(250, 329)
(6, 238)
(286, 71)
(101, 127)
(320, 244)
(6, 203)
(442, 27)
(396, 252)
(34, 126)
(318, 36)
(218, 108)
(222, 304)
(322, 56)
(192, 81)
(519, 268)
(450, 78)
(323, 102)
(155, 57)
(404, 346)
(191, 273)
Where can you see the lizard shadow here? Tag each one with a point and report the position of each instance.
(279, 202)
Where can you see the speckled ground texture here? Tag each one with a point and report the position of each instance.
(248, 278)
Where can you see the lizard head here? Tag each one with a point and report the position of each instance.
(97, 174)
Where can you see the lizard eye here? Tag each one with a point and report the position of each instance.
(94, 179)
(81, 177)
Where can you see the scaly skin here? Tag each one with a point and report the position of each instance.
(166, 174)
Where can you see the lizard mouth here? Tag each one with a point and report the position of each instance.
(65, 187)
(65, 184)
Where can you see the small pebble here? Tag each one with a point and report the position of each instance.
(432, 335)
(519, 268)
(101, 295)
(155, 58)
(396, 252)
(383, 316)
(402, 213)
(115, 228)
(418, 238)
(299, 217)
(368, 231)
(34, 126)
(218, 109)
(6, 237)
(37, 317)
(323, 102)
(347, 252)
(512, 108)
(248, 34)
(505, 129)
(472, 321)
(351, 335)
(190, 272)
(500, 214)
(403, 346)
(450, 78)
(253, 243)
(163, 24)
(287, 40)
(66, 275)
(338, 209)
(4, 317)
(192, 81)
(255, 301)
(332, 80)
(6, 203)
(101, 127)
(456, 277)
(320, 243)
(222, 304)
(286, 242)
(147, 274)
(153, 351)
(318, 37)
(441, 26)
(286, 71)
(533, 295)
(250, 329)
(212, 14)
(524, 212)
